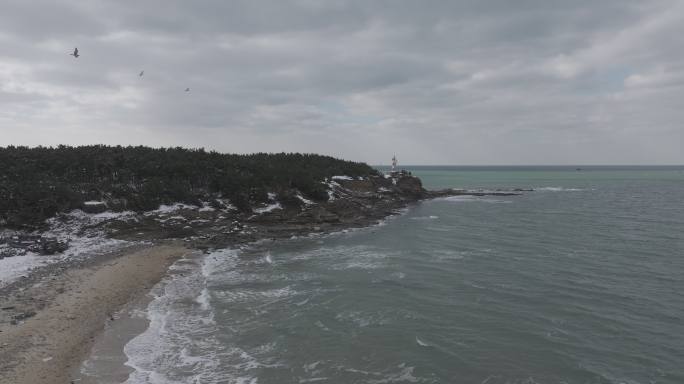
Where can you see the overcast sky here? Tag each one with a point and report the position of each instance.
(436, 82)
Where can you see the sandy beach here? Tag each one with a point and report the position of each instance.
(47, 347)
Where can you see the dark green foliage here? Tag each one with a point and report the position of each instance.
(36, 183)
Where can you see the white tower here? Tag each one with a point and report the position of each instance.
(394, 163)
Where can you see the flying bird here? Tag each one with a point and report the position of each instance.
(75, 54)
(187, 89)
(141, 73)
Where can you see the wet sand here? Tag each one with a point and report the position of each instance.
(50, 346)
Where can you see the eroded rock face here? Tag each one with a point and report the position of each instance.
(411, 186)
(397, 186)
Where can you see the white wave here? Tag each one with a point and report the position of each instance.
(219, 261)
(203, 299)
(311, 367)
(357, 265)
(362, 319)
(303, 302)
(235, 295)
(268, 258)
(474, 199)
(399, 275)
(431, 217)
(355, 257)
(322, 326)
(459, 199)
(558, 189)
(405, 375)
(474, 285)
(177, 344)
(448, 254)
(421, 342)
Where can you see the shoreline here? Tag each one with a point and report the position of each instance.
(49, 346)
(114, 336)
(62, 310)
(105, 362)
(119, 282)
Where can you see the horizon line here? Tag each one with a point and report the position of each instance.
(530, 165)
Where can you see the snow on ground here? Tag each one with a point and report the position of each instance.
(304, 199)
(12, 268)
(271, 207)
(342, 178)
(170, 208)
(84, 236)
(93, 218)
(332, 185)
(206, 207)
(268, 208)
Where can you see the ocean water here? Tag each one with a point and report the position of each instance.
(580, 281)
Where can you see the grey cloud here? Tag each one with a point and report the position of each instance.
(436, 82)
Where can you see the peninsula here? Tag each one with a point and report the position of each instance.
(87, 229)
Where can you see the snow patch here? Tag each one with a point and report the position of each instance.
(13, 268)
(268, 208)
(332, 186)
(170, 208)
(83, 233)
(206, 207)
(305, 200)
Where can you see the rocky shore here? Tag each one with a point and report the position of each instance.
(31, 338)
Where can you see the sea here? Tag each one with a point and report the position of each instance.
(580, 281)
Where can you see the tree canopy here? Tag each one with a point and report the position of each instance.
(36, 183)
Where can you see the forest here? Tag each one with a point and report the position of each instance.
(38, 182)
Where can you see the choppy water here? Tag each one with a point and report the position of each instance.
(581, 281)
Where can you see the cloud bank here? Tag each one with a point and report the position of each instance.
(436, 82)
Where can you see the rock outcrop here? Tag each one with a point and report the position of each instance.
(215, 222)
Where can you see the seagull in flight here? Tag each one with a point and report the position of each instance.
(141, 73)
(75, 54)
(187, 89)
